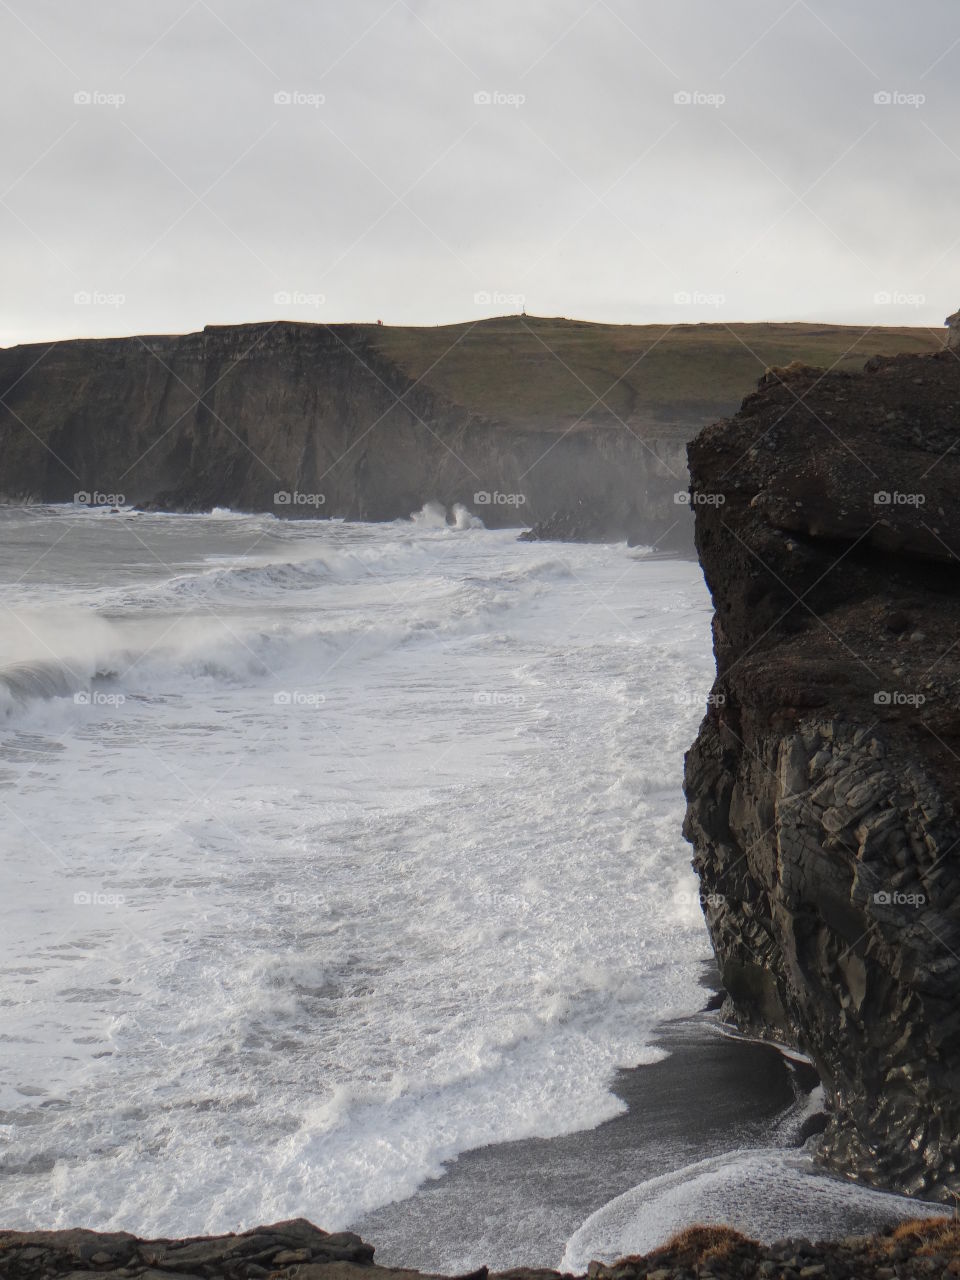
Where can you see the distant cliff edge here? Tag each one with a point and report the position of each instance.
(575, 428)
(823, 789)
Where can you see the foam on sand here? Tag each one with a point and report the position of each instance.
(767, 1194)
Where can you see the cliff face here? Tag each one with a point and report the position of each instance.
(233, 416)
(823, 787)
(580, 428)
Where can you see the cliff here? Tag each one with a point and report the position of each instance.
(823, 788)
(519, 419)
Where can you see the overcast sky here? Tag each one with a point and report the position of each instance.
(174, 163)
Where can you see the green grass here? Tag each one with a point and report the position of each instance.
(660, 380)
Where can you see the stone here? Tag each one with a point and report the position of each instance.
(853, 908)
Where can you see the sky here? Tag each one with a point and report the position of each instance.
(168, 164)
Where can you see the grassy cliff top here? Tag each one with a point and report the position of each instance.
(552, 374)
(658, 379)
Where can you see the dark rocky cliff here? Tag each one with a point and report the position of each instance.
(587, 424)
(234, 416)
(823, 788)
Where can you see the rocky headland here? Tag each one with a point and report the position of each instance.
(524, 421)
(823, 787)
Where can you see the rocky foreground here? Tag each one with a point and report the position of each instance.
(823, 787)
(301, 1251)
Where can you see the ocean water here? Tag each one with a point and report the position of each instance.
(330, 851)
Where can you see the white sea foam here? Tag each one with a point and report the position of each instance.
(768, 1194)
(360, 847)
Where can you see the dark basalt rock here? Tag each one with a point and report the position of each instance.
(672, 532)
(823, 787)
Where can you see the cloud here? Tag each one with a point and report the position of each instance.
(399, 157)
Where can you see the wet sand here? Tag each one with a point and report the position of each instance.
(517, 1203)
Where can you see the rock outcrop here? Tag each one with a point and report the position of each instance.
(823, 790)
(585, 525)
(285, 1248)
(297, 1250)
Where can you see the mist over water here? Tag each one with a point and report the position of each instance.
(333, 851)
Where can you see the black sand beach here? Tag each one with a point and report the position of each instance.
(519, 1202)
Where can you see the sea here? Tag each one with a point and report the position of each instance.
(332, 852)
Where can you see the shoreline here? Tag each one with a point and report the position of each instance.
(718, 1108)
(518, 1203)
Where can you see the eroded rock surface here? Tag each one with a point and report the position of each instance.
(281, 1249)
(297, 1250)
(823, 787)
